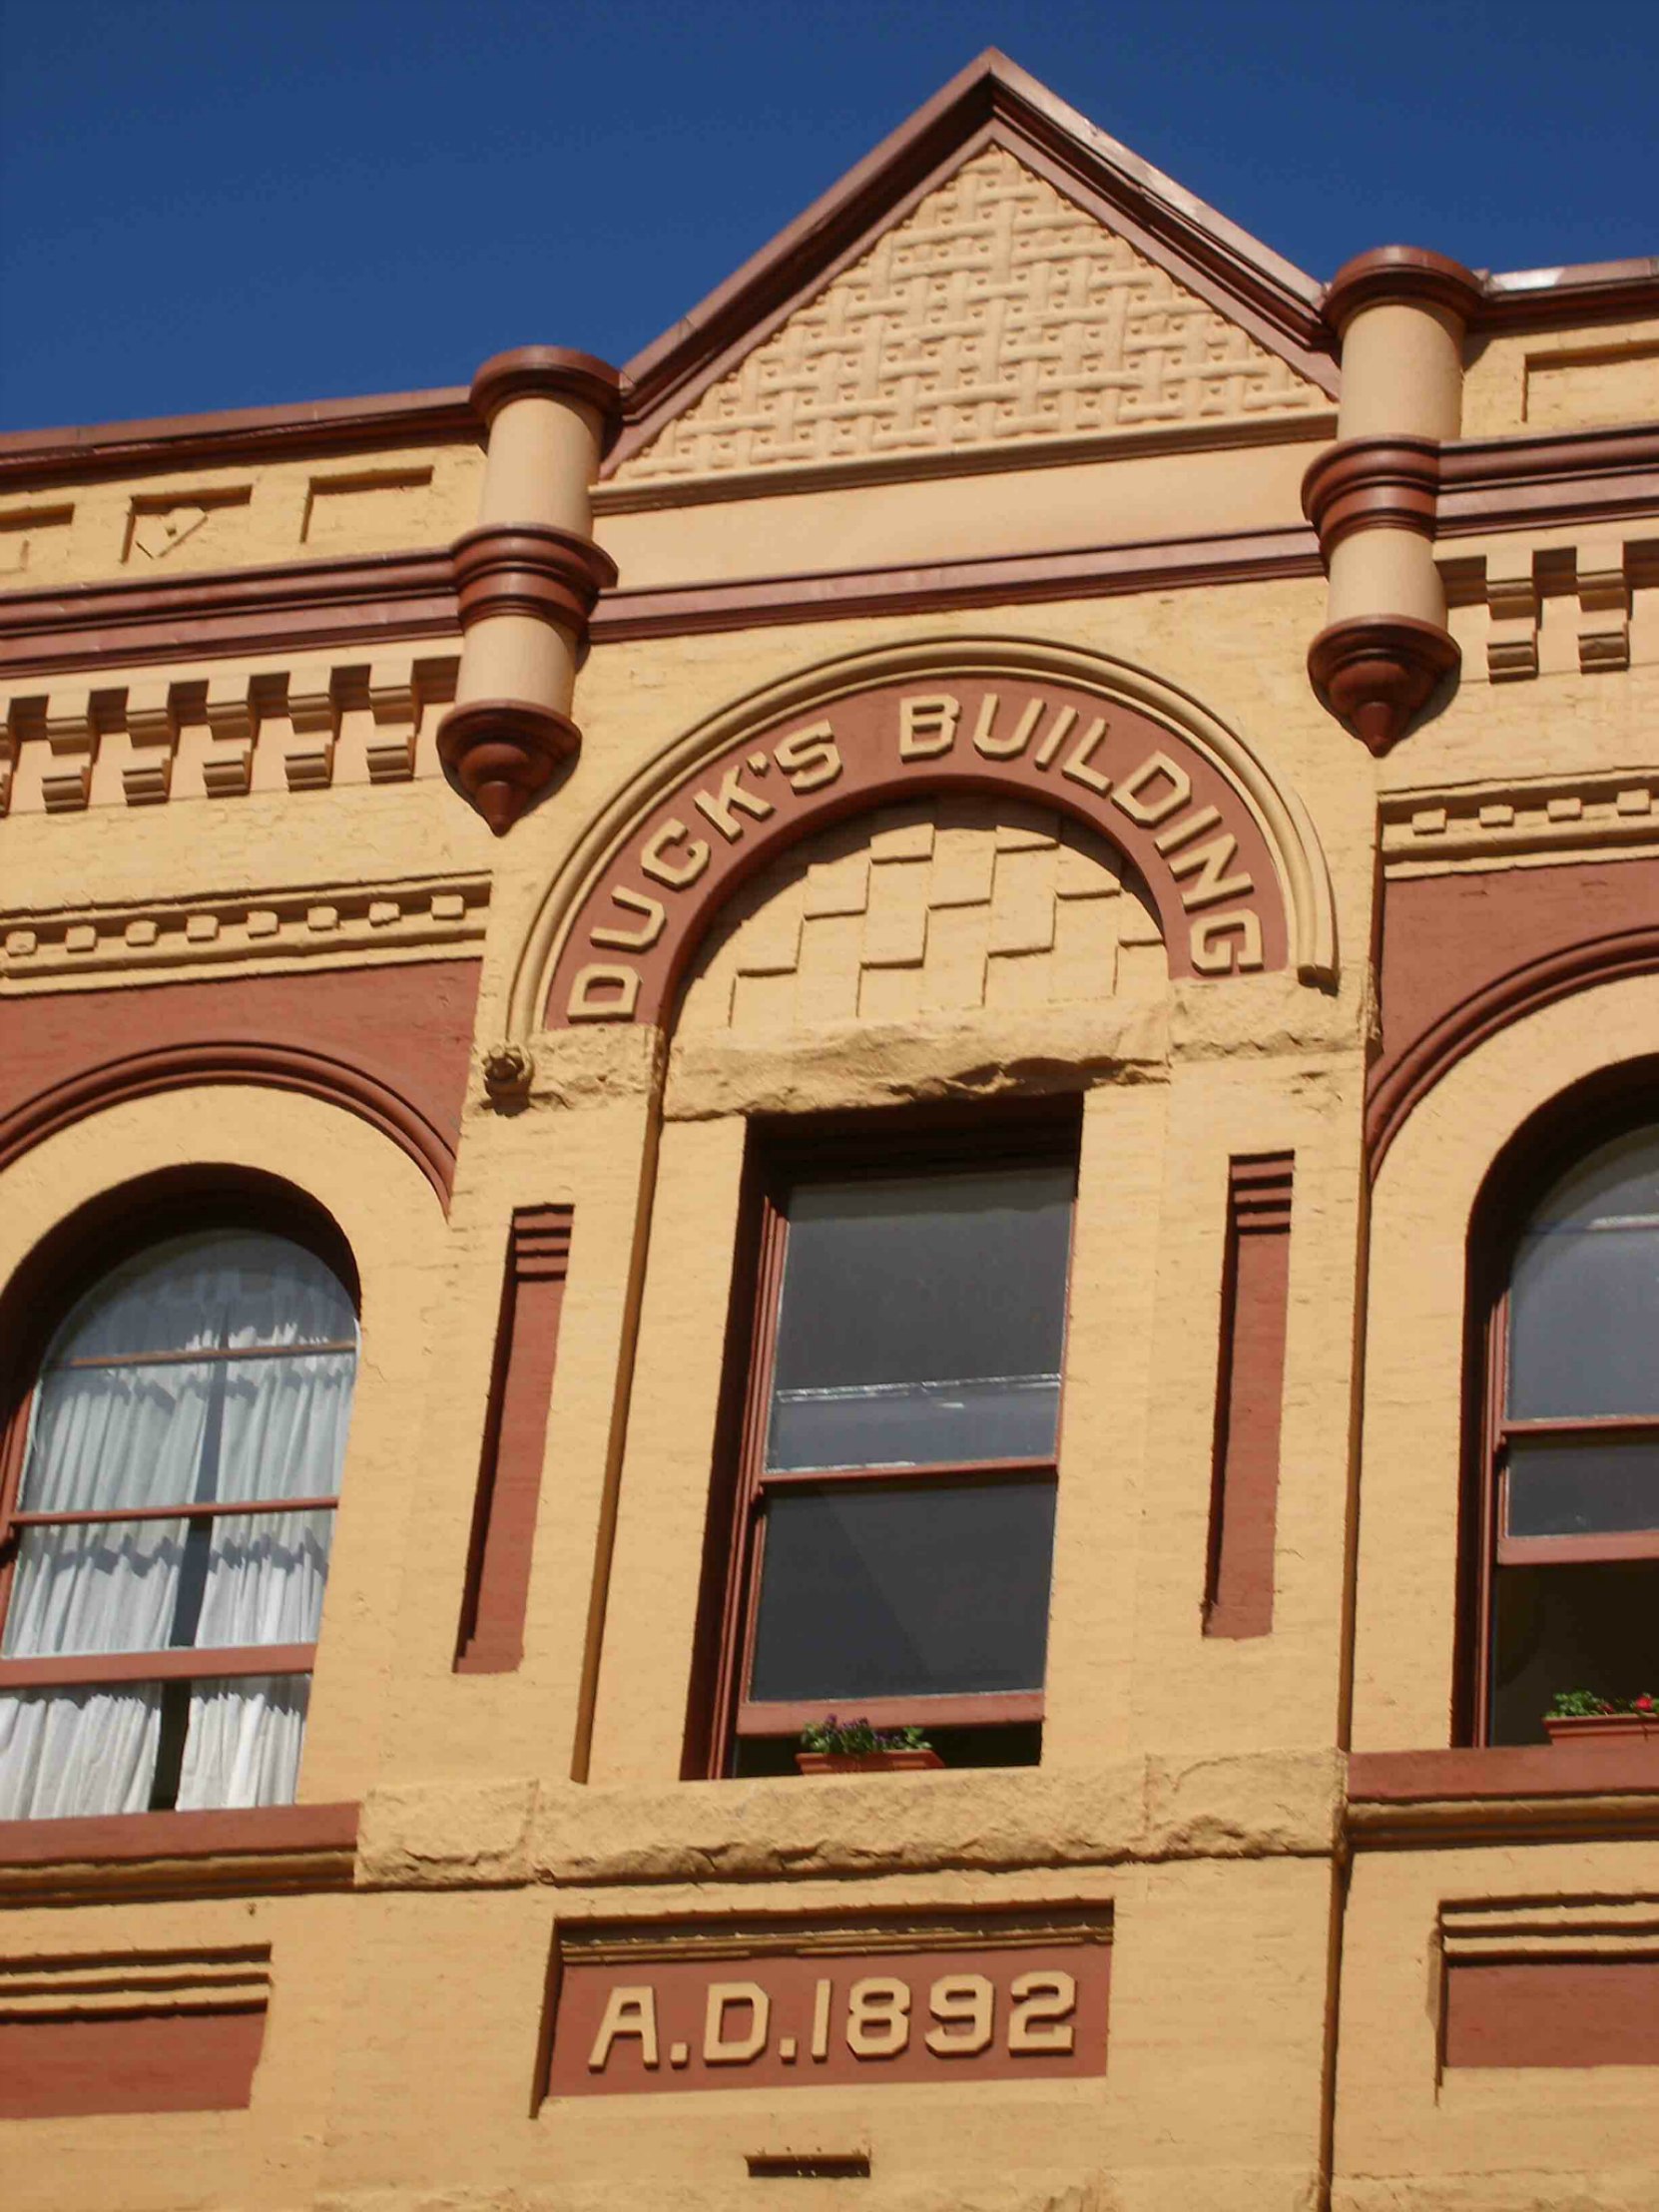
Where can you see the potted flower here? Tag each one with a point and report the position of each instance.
(832, 1746)
(1580, 1716)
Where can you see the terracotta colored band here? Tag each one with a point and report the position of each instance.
(1390, 274)
(1376, 672)
(549, 372)
(1364, 481)
(503, 755)
(526, 567)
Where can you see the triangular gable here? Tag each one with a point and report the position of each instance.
(997, 275)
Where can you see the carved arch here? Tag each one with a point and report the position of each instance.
(184, 1066)
(1229, 854)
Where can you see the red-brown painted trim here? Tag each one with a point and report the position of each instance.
(548, 372)
(492, 1637)
(395, 596)
(1621, 1767)
(153, 2058)
(127, 1837)
(674, 610)
(992, 95)
(1244, 1501)
(503, 755)
(1405, 1081)
(1400, 274)
(1376, 672)
(1591, 291)
(526, 567)
(279, 1067)
(1551, 2012)
(390, 1044)
(1563, 476)
(224, 439)
(297, 605)
(1360, 482)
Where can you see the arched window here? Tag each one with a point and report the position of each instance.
(1570, 1493)
(166, 1518)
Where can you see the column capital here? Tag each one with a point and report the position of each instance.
(1399, 275)
(549, 372)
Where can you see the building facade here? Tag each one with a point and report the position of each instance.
(942, 1011)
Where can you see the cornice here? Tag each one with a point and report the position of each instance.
(183, 1855)
(315, 429)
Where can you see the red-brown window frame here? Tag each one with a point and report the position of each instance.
(79, 1255)
(837, 1149)
(1609, 1105)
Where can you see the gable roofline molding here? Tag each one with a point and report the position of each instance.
(991, 102)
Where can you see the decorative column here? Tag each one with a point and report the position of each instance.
(527, 577)
(1399, 316)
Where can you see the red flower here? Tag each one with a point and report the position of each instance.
(1644, 1704)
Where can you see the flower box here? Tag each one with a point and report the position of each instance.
(867, 1762)
(1594, 1728)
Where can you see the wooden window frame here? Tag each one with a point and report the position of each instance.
(843, 1148)
(85, 1253)
(1611, 1105)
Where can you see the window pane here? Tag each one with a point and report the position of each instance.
(1585, 1295)
(921, 1320)
(243, 1746)
(890, 1590)
(98, 1586)
(263, 1580)
(1574, 1488)
(70, 1752)
(1590, 1628)
(172, 1433)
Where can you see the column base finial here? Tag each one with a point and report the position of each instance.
(503, 755)
(1376, 672)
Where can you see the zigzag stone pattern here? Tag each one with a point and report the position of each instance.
(935, 909)
(995, 314)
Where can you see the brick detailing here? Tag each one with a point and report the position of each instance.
(1244, 1496)
(64, 748)
(337, 925)
(1465, 827)
(136, 2031)
(1549, 1981)
(937, 907)
(995, 314)
(491, 1638)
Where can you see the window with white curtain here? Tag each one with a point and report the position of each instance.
(166, 1532)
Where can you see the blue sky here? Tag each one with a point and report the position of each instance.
(223, 203)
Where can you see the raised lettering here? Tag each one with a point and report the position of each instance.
(808, 757)
(719, 2049)
(1078, 769)
(1227, 945)
(717, 807)
(964, 2005)
(630, 2010)
(1130, 793)
(1007, 748)
(1044, 2004)
(676, 875)
(877, 2017)
(927, 725)
(632, 941)
(588, 999)
(1182, 832)
(1063, 720)
(1213, 880)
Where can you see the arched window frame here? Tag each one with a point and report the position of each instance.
(1563, 1132)
(72, 1262)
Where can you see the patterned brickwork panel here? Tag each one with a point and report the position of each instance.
(927, 911)
(995, 314)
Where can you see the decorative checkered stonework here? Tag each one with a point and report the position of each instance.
(926, 909)
(995, 314)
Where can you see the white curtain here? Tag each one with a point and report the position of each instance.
(182, 1433)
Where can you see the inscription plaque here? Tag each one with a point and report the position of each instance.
(924, 2000)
